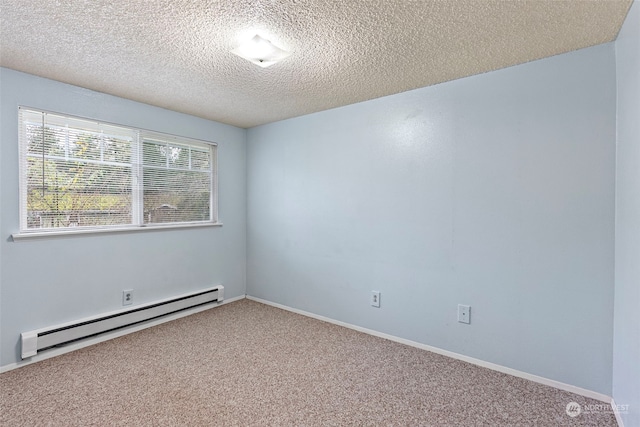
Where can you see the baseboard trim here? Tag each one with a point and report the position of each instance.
(114, 334)
(489, 365)
(616, 412)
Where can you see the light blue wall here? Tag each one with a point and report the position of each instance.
(495, 190)
(46, 282)
(626, 344)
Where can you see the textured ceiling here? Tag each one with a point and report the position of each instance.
(176, 53)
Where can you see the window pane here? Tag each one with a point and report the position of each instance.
(157, 153)
(200, 160)
(53, 144)
(178, 156)
(176, 196)
(154, 153)
(74, 174)
(76, 194)
(116, 150)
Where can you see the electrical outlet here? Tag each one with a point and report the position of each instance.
(464, 313)
(127, 297)
(375, 298)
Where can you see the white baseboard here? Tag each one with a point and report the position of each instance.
(616, 412)
(114, 334)
(535, 378)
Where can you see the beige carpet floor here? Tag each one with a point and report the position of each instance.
(248, 364)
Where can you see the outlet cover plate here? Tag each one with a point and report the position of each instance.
(127, 297)
(375, 299)
(464, 313)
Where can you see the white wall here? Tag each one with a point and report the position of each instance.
(626, 347)
(495, 190)
(50, 281)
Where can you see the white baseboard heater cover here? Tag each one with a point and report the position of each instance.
(39, 340)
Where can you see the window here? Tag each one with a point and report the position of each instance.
(76, 173)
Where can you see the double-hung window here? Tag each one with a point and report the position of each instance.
(81, 174)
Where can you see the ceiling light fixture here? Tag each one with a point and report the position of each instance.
(260, 51)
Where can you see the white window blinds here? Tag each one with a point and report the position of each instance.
(177, 179)
(81, 173)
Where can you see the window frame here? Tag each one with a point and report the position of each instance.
(137, 185)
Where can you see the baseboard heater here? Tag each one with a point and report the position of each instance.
(34, 342)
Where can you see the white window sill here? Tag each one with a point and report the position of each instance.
(70, 232)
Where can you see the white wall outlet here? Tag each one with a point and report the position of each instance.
(127, 297)
(375, 298)
(464, 313)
